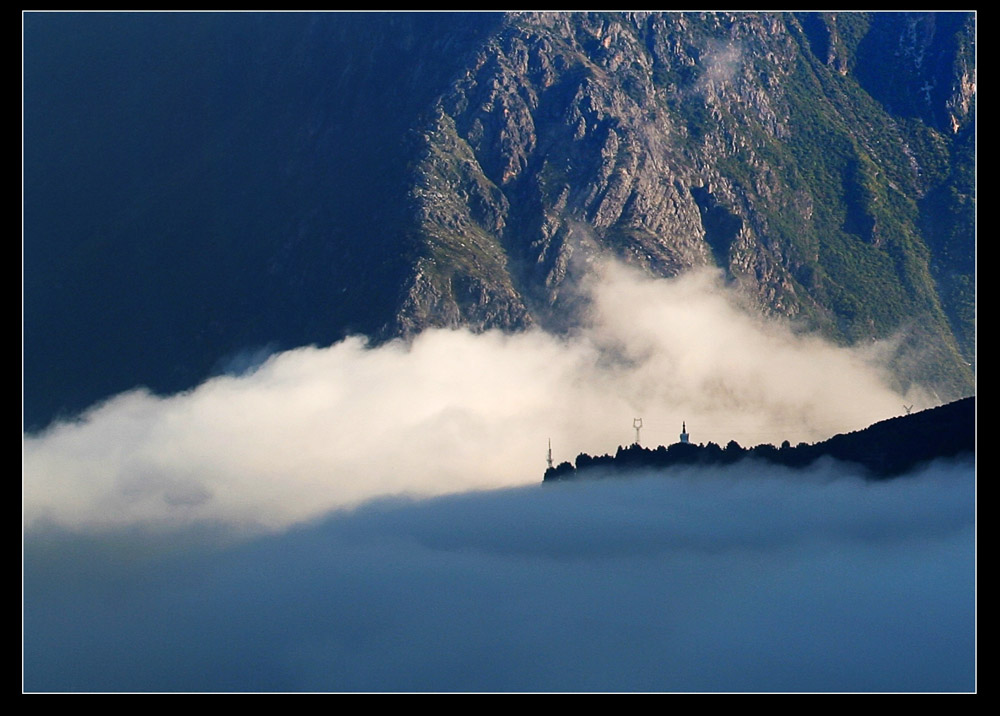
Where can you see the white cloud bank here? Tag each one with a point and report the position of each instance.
(315, 429)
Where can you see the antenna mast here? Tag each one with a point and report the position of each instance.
(550, 453)
(637, 424)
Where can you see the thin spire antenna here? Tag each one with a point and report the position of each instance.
(550, 453)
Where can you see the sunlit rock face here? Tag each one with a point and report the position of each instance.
(744, 141)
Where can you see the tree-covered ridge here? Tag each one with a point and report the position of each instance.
(886, 449)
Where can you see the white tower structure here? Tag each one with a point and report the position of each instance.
(684, 432)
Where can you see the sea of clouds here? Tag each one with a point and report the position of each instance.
(744, 579)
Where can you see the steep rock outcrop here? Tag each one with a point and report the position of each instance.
(677, 140)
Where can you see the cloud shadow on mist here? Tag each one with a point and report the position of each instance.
(747, 578)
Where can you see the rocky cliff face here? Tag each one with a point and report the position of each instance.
(747, 141)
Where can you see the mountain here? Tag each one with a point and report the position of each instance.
(203, 188)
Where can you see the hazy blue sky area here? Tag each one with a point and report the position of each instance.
(748, 579)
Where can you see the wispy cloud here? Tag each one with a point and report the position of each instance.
(719, 65)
